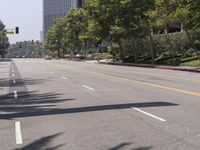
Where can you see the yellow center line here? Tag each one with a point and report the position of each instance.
(154, 85)
(170, 77)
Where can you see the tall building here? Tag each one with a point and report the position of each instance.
(57, 8)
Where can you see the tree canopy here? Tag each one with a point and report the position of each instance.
(129, 25)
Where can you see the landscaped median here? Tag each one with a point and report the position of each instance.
(179, 68)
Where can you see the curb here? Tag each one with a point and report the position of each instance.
(151, 66)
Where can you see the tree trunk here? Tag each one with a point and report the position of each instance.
(134, 49)
(133, 45)
(112, 51)
(152, 50)
(121, 51)
(171, 48)
(63, 53)
(59, 53)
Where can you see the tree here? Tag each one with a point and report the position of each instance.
(132, 18)
(193, 24)
(4, 44)
(161, 17)
(119, 19)
(65, 32)
(76, 25)
(55, 35)
(29, 49)
(188, 13)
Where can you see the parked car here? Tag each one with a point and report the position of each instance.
(47, 57)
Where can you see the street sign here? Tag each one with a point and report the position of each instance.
(83, 37)
(9, 32)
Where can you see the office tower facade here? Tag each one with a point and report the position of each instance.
(57, 8)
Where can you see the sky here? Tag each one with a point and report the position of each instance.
(25, 14)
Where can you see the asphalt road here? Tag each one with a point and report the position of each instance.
(66, 105)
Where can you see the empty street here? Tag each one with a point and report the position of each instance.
(67, 105)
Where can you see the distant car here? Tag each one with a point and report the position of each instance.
(79, 56)
(48, 57)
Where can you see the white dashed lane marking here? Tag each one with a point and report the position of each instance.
(150, 115)
(65, 78)
(18, 133)
(87, 87)
(15, 95)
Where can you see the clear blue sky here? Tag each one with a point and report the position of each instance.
(27, 14)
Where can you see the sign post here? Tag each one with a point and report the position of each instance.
(85, 38)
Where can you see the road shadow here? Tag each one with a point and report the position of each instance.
(29, 103)
(129, 145)
(5, 60)
(19, 82)
(35, 105)
(143, 148)
(120, 146)
(31, 98)
(43, 143)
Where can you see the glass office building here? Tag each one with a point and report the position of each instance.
(57, 8)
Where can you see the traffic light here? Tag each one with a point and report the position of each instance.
(17, 30)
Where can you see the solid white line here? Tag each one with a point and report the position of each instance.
(15, 95)
(65, 78)
(88, 87)
(18, 133)
(150, 115)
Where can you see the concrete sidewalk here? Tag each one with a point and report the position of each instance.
(4, 77)
(178, 68)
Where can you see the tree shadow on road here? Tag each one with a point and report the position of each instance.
(29, 103)
(143, 148)
(43, 143)
(31, 98)
(120, 146)
(126, 145)
(6, 83)
(34, 104)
